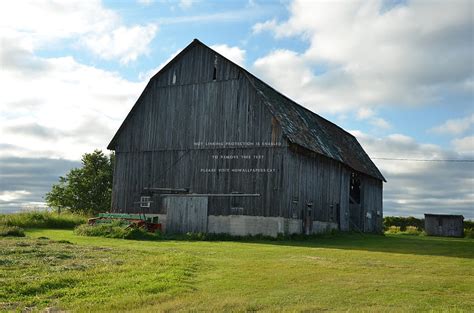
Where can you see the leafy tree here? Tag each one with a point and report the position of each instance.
(87, 189)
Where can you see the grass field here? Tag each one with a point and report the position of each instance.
(399, 273)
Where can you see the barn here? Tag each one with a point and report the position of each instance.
(209, 147)
(445, 225)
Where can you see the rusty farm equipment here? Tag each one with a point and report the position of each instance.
(148, 222)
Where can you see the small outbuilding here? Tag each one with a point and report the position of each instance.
(444, 225)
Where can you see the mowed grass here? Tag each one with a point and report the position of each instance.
(344, 272)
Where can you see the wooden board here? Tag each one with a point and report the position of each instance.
(186, 214)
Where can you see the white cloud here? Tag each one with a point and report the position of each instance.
(264, 26)
(235, 54)
(13, 195)
(364, 113)
(372, 55)
(417, 187)
(464, 145)
(36, 24)
(68, 105)
(124, 43)
(380, 123)
(455, 126)
(186, 4)
(145, 2)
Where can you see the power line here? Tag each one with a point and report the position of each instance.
(427, 160)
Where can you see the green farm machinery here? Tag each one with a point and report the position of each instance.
(149, 221)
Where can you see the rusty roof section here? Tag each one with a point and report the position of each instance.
(311, 131)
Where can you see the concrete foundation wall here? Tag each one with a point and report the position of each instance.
(323, 227)
(242, 225)
(162, 220)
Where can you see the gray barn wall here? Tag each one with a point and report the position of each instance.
(444, 225)
(320, 181)
(372, 206)
(156, 148)
(167, 122)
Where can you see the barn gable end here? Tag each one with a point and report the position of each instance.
(200, 108)
(299, 125)
(206, 125)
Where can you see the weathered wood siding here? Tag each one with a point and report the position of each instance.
(186, 214)
(324, 183)
(444, 225)
(371, 202)
(158, 147)
(183, 106)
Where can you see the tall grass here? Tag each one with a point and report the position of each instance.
(43, 219)
(13, 231)
(115, 230)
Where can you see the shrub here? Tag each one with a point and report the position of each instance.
(42, 219)
(468, 224)
(412, 230)
(393, 230)
(469, 232)
(115, 230)
(11, 231)
(403, 222)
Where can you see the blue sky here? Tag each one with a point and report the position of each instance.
(397, 74)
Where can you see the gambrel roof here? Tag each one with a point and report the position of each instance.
(299, 125)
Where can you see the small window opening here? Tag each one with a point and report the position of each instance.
(145, 201)
(354, 192)
(174, 78)
(214, 74)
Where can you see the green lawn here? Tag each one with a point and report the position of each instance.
(344, 272)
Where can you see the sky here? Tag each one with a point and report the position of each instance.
(399, 75)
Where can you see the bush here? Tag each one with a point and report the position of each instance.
(403, 222)
(42, 219)
(469, 232)
(393, 230)
(115, 230)
(14, 231)
(412, 230)
(468, 224)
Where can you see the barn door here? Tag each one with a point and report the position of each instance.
(186, 214)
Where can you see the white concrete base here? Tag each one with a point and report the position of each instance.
(243, 225)
(323, 227)
(162, 220)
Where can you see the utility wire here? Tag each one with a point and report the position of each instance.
(426, 160)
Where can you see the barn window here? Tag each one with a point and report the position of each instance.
(214, 73)
(354, 192)
(145, 201)
(174, 78)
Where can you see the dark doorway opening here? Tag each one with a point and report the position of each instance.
(355, 189)
(356, 221)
